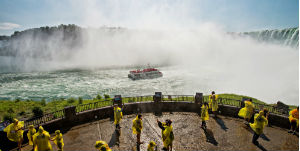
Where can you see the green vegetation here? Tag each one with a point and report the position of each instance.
(37, 111)
(240, 97)
(80, 100)
(29, 108)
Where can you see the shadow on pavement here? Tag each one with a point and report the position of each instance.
(221, 123)
(261, 147)
(113, 139)
(210, 137)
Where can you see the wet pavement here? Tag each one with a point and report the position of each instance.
(223, 133)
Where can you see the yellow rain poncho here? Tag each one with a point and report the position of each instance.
(102, 146)
(294, 116)
(58, 140)
(30, 134)
(41, 140)
(168, 136)
(162, 131)
(151, 146)
(247, 111)
(204, 113)
(14, 131)
(213, 102)
(259, 123)
(118, 115)
(137, 126)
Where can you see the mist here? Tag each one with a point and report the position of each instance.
(208, 57)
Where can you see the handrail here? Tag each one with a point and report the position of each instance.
(45, 118)
(138, 99)
(94, 105)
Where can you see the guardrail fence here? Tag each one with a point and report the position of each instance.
(138, 99)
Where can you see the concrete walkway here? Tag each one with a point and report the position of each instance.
(223, 133)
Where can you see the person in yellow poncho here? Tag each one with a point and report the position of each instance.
(167, 134)
(137, 126)
(260, 121)
(247, 111)
(15, 132)
(41, 140)
(151, 146)
(58, 140)
(294, 120)
(102, 146)
(213, 103)
(118, 115)
(204, 114)
(30, 133)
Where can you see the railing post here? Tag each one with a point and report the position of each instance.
(157, 97)
(157, 103)
(118, 100)
(70, 113)
(199, 98)
(221, 101)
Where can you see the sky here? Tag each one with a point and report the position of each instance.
(230, 15)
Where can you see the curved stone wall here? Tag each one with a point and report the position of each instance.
(72, 118)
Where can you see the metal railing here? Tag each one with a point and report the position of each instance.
(179, 98)
(138, 99)
(45, 118)
(257, 106)
(94, 105)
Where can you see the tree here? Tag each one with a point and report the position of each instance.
(106, 96)
(43, 102)
(80, 100)
(37, 111)
(98, 97)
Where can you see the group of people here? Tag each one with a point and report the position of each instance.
(40, 140)
(137, 127)
(260, 119)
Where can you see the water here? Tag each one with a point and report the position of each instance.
(86, 84)
(201, 60)
(177, 79)
(287, 37)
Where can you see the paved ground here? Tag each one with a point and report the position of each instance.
(224, 133)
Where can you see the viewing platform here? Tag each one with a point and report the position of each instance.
(223, 133)
(84, 124)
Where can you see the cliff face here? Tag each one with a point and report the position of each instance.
(37, 42)
(44, 41)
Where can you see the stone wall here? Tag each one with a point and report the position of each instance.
(72, 118)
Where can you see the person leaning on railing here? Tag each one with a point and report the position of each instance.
(294, 120)
(15, 132)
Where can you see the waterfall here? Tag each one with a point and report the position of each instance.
(287, 37)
